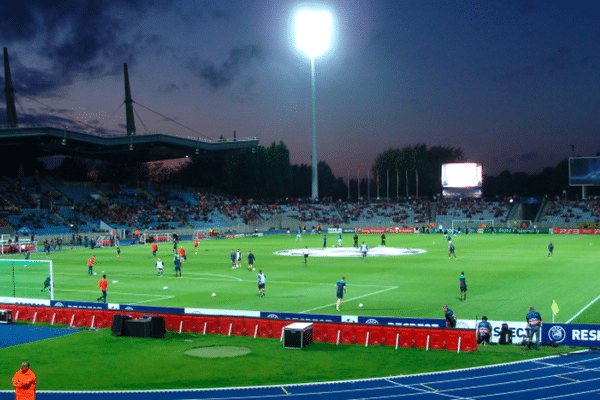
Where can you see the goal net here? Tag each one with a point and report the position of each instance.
(21, 247)
(104, 241)
(472, 225)
(29, 279)
(201, 234)
(156, 237)
(519, 223)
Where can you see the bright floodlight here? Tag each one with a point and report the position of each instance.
(313, 32)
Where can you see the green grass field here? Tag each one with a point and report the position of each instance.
(505, 274)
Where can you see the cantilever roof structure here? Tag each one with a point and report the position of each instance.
(25, 143)
(47, 141)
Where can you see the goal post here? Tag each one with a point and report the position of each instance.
(201, 234)
(150, 237)
(472, 225)
(26, 279)
(519, 223)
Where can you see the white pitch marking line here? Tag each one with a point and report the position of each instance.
(111, 292)
(159, 299)
(582, 310)
(350, 299)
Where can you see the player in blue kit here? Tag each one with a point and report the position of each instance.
(340, 288)
(451, 250)
(550, 250)
(463, 286)
(233, 258)
(251, 259)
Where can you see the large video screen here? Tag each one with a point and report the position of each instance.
(462, 175)
(584, 171)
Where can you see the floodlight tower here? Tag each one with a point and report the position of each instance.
(313, 34)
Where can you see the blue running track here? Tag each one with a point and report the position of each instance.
(571, 376)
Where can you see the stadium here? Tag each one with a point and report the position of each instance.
(200, 328)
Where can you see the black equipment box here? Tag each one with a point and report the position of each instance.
(6, 317)
(297, 335)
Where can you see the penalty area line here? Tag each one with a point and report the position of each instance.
(350, 299)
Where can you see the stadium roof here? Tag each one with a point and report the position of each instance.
(24, 143)
(48, 141)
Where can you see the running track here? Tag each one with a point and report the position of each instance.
(571, 376)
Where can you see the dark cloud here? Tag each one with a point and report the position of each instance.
(81, 38)
(524, 6)
(36, 83)
(559, 60)
(169, 88)
(219, 14)
(532, 155)
(517, 74)
(218, 77)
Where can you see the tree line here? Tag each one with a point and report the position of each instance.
(265, 173)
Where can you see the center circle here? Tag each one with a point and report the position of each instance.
(379, 251)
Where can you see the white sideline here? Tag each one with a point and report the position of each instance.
(582, 310)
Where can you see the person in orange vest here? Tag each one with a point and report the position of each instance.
(196, 243)
(103, 285)
(182, 254)
(154, 249)
(24, 382)
(90, 265)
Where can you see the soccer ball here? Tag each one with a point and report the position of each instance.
(95, 273)
(115, 281)
(214, 294)
(165, 288)
(360, 305)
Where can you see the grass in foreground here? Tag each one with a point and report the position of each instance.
(96, 360)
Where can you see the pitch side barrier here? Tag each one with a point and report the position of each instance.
(518, 230)
(398, 332)
(554, 231)
(581, 335)
(348, 327)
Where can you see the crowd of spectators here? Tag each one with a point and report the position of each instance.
(151, 209)
(406, 211)
(472, 208)
(565, 210)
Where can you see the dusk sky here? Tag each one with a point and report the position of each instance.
(513, 83)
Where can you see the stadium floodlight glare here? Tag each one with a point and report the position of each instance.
(313, 34)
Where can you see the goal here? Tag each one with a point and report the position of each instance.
(24, 245)
(201, 234)
(519, 223)
(472, 225)
(104, 241)
(25, 279)
(156, 237)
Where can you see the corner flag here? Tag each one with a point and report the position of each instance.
(554, 307)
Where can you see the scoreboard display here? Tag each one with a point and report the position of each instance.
(462, 175)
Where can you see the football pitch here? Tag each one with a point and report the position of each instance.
(506, 273)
